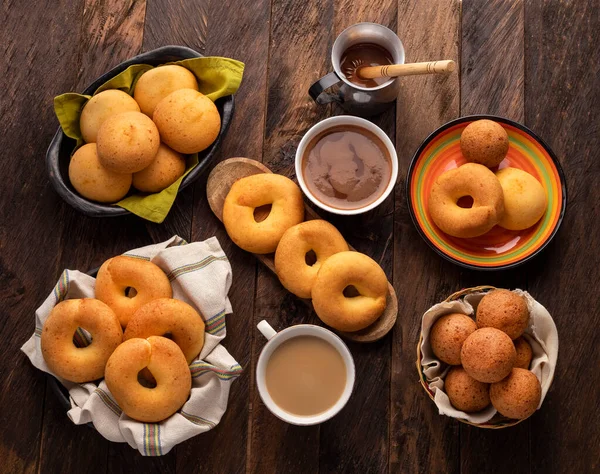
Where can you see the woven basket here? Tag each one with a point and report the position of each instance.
(498, 421)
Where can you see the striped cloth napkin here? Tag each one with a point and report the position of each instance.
(200, 275)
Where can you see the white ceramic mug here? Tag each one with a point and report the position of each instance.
(346, 120)
(275, 340)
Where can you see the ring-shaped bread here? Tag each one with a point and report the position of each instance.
(80, 364)
(290, 257)
(245, 195)
(482, 186)
(118, 274)
(349, 313)
(169, 316)
(167, 364)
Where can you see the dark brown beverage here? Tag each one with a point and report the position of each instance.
(365, 54)
(346, 167)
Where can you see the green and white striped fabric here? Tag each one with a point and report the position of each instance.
(201, 276)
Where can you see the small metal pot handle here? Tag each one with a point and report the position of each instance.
(317, 90)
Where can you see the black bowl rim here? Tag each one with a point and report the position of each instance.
(468, 118)
(94, 209)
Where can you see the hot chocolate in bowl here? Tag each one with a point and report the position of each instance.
(346, 165)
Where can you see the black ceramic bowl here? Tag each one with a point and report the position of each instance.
(61, 147)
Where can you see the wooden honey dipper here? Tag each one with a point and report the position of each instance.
(396, 70)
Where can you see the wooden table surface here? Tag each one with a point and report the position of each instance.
(536, 62)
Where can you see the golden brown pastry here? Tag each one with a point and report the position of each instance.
(101, 106)
(524, 353)
(145, 279)
(92, 180)
(188, 121)
(448, 335)
(169, 316)
(246, 194)
(291, 265)
(484, 142)
(167, 364)
(525, 200)
(66, 360)
(504, 310)
(156, 84)
(518, 395)
(466, 393)
(166, 168)
(488, 355)
(127, 142)
(472, 180)
(349, 313)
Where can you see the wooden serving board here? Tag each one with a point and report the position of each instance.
(218, 185)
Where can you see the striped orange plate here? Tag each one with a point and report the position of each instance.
(499, 248)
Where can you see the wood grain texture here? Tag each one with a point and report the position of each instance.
(28, 254)
(420, 439)
(562, 105)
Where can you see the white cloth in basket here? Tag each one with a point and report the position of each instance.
(200, 275)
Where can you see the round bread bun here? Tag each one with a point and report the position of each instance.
(504, 310)
(166, 168)
(448, 335)
(101, 106)
(157, 83)
(466, 393)
(169, 316)
(246, 194)
(472, 180)
(92, 180)
(127, 142)
(68, 361)
(518, 395)
(188, 121)
(524, 353)
(352, 313)
(488, 355)
(484, 142)
(525, 200)
(167, 364)
(147, 281)
(291, 265)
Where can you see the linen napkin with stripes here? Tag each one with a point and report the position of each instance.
(200, 275)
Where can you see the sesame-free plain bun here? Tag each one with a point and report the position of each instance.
(187, 120)
(127, 142)
(466, 393)
(518, 395)
(484, 142)
(92, 180)
(488, 355)
(166, 168)
(504, 310)
(525, 200)
(156, 84)
(524, 353)
(100, 107)
(448, 335)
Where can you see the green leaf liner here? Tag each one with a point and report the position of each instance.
(217, 77)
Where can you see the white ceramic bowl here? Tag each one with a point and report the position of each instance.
(275, 340)
(336, 122)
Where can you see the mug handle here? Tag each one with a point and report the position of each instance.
(266, 329)
(317, 90)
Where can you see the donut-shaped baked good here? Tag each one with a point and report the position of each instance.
(472, 180)
(291, 266)
(163, 358)
(246, 194)
(349, 313)
(62, 356)
(169, 316)
(147, 281)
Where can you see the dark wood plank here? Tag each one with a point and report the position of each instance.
(243, 36)
(493, 82)
(420, 439)
(299, 45)
(30, 233)
(562, 105)
(365, 444)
